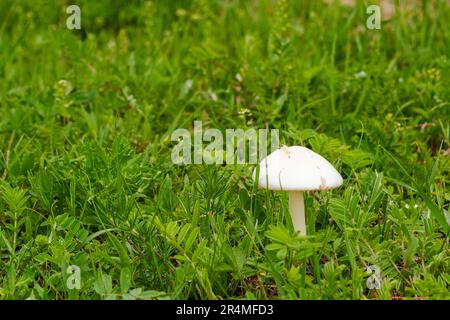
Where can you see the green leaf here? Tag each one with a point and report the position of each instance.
(121, 250)
(103, 286)
(125, 279)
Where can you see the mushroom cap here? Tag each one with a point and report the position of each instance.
(297, 169)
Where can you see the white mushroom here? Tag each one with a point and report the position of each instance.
(295, 170)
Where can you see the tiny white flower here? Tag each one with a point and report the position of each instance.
(360, 75)
(188, 84)
(213, 96)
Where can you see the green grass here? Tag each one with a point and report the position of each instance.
(86, 174)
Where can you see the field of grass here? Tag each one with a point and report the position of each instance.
(86, 118)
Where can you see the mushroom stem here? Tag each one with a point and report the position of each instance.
(297, 211)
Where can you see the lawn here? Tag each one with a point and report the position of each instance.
(93, 207)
